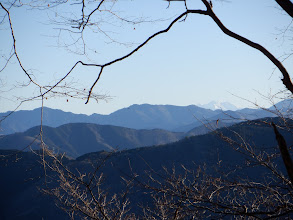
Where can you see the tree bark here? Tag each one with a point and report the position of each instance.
(284, 152)
(287, 6)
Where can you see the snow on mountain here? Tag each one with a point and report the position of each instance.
(213, 105)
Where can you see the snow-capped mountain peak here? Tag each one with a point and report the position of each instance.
(213, 105)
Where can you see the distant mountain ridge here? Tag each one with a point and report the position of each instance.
(225, 106)
(22, 173)
(145, 116)
(76, 139)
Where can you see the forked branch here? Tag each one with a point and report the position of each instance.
(286, 77)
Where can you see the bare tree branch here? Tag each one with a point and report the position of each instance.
(14, 46)
(286, 78)
(287, 5)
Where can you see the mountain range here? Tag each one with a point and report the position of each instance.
(21, 172)
(76, 139)
(145, 116)
(213, 105)
(78, 134)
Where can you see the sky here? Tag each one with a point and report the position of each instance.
(194, 63)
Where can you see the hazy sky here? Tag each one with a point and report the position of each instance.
(193, 63)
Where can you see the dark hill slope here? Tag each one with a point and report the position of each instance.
(190, 152)
(206, 148)
(22, 179)
(79, 138)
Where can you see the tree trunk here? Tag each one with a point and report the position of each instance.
(287, 6)
(284, 152)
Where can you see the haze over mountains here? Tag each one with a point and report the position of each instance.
(213, 105)
(136, 116)
(145, 116)
(76, 139)
(85, 139)
(21, 173)
(132, 127)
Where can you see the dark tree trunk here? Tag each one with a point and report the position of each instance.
(284, 152)
(287, 5)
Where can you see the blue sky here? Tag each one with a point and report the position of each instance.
(193, 63)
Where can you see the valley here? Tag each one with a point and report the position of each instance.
(140, 153)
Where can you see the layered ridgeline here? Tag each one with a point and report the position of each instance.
(80, 138)
(145, 116)
(76, 139)
(21, 172)
(167, 117)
